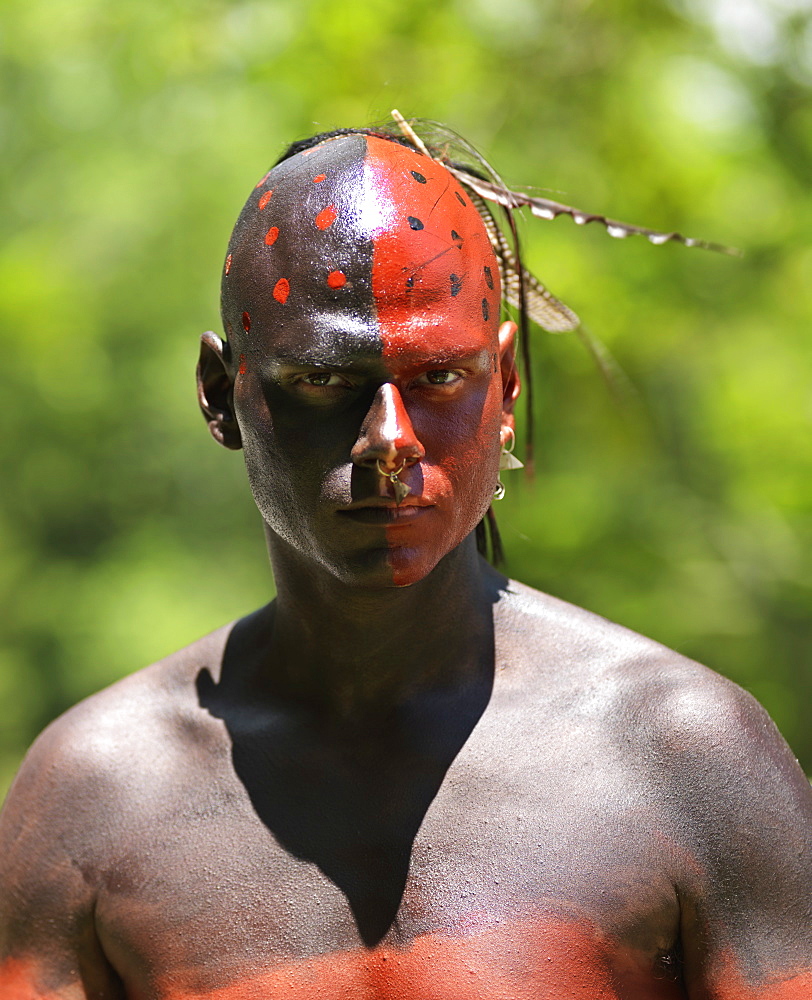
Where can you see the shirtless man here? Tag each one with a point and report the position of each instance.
(407, 777)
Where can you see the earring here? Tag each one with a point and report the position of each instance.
(507, 461)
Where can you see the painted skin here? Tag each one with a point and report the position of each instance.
(420, 279)
(443, 785)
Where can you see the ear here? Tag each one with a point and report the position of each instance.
(215, 391)
(511, 384)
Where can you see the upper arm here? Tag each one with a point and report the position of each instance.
(743, 810)
(49, 827)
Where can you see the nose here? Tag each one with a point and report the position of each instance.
(387, 435)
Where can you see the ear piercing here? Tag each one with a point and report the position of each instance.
(507, 461)
(401, 489)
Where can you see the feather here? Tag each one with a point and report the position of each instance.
(544, 208)
(542, 306)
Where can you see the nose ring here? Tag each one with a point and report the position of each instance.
(401, 489)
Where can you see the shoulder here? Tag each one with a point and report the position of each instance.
(677, 711)
(701, 751)
(86, 783)
(89, 769)
(558, 642)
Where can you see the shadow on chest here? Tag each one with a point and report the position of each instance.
(350, 801)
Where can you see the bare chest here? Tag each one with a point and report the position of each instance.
(517, 869)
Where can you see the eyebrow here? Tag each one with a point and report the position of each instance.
(324, 359)
(338, 361)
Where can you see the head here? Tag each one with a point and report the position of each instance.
(361, 303)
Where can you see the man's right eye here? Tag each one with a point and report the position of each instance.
(323, 379)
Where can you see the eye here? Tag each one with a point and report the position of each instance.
(442, 377)
(323, 380)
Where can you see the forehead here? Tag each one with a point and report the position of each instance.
(367, 238)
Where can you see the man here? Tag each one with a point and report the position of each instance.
(407, 776)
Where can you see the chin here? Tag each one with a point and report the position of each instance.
(409, 565)
(386, 568)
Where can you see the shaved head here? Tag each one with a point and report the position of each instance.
(361, 224)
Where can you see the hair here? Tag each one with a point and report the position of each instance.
(441, 141)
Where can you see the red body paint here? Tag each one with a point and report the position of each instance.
(17, 981)
(246, 322)
(434, 290)
(281, 290)
(417, 263)
(542, 959)
(728, 983)
(263, 201)
(336, 279)
(523, 960)
(271, 236)
(326, 217)
(319, 178)
(242, 368)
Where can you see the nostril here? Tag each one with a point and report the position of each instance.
(386, 435)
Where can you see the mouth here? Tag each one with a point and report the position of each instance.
(387, 512)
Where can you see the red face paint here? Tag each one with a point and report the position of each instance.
(326, 217)
(432, 282)
(392, 229)
(281, 290)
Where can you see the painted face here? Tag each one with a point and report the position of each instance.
(362, 299)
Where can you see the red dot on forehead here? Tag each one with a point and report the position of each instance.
(319, 178)
(263, 201)
(326, 217)
(270, 236)
(246, 322)
(336, 279)
(281, 290)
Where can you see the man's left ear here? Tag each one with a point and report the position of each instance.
(511, 384)
(215, 391)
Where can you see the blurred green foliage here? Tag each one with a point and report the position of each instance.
(133, 131)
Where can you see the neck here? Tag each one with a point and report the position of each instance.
(353, 649)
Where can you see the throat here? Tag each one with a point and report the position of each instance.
(352, 651)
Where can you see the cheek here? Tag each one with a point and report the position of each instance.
(465, 443)
(281, 479)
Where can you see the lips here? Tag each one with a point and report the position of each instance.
(386, 513)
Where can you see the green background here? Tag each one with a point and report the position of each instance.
(133, 131)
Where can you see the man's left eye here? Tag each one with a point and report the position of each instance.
(442, 377)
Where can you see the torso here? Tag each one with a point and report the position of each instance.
(544, 864)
